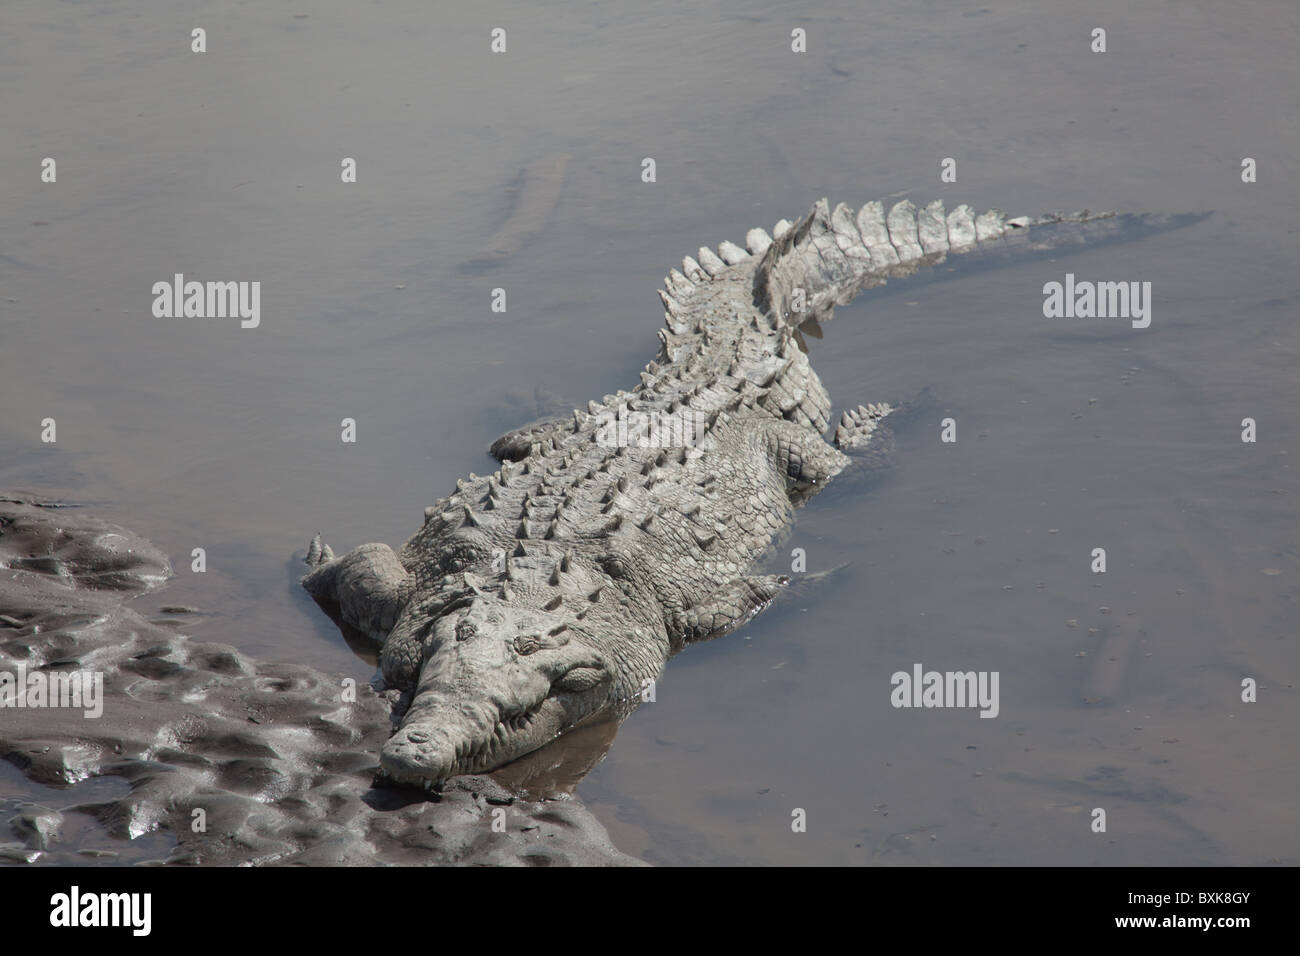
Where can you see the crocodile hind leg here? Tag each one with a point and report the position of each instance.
(860, 426)
(866, 433)
(368, 585)
(863, 433)
(805, 459)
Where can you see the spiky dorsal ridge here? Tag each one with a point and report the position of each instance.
(795, 276)
(833, 254)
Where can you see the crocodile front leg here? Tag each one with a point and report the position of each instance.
(369, 586)
(725, 610)
(516, 444)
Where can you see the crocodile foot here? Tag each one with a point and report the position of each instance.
(318, 553)
(858, 425)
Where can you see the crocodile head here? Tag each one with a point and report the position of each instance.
(496, 681)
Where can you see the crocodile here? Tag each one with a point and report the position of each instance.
(554, 590)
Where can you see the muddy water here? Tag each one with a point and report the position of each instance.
(1119, 691)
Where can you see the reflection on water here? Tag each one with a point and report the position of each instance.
(556, 769)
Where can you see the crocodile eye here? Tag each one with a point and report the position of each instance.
(615, 565)
(465, 630)
(462, 554)
(580, 679)
(526, 644)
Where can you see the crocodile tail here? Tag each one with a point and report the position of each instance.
(823, 260)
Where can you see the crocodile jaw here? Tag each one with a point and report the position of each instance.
(492, 695)
(439, 743)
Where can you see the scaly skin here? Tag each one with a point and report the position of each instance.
(553, 590)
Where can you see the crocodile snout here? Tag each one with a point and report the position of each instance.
(417, 758)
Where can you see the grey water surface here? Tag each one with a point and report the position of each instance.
(522, 171)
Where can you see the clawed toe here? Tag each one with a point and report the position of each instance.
(857, 424)
(318, 553)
